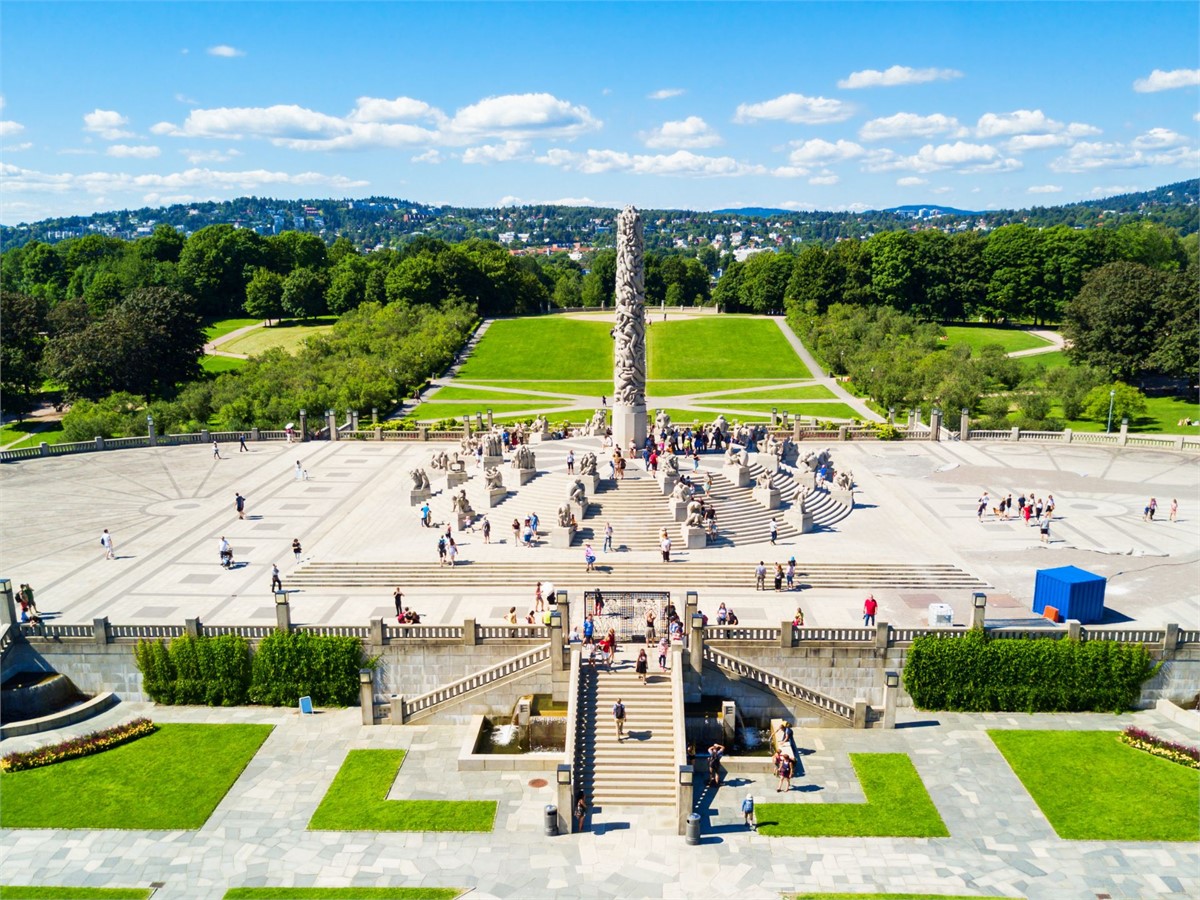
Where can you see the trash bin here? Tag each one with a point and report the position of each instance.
(551, 823)
(693, 829)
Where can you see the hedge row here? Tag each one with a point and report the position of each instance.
(221, 671)
(74, 748)
(973, 673)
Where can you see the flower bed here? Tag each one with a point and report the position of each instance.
(1177, 753)
(74, 748)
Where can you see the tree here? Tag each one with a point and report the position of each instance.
(293, 250)
(1111, 322)
(264, 295)
(24, 319)
(1013, 257)
(1177, 329)
(896, 277)
(568, 289)
(347, 284)
(1127, 402)
(165, 244)
(217, 263)
(304, 293)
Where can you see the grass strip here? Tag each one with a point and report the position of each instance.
(897, 806)
(172, 779)
(1129, 795)
(344, 893)
(541, 348)
(357, 801)
(979, 336)
(54, 892)
(289, 335)
(696, 348)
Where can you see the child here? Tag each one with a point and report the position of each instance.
(748, 811)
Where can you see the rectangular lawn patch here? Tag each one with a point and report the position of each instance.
(979, 336)
(356, 801)
(762, 411)
(742, 347)
(172, 779)
(549, 348)
(1094, 788)
(55, 892)
(897, 806)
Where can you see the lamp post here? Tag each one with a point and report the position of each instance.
(1112, 395)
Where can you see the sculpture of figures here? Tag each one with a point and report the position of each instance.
(576, 492)
(491, 444)
(629, 335)
(440, 460)
(461, 505)
(564, 516)
(420, 479)
(730, 456)
(457, 464)
(587, 464)
(720, 424)
(801, 497)
(763, 480)
(539, 425)
(695, 514)
(662, 421)
(670, 463)
(491, 478)
(681, 492)
(523, 457)
(599, 422)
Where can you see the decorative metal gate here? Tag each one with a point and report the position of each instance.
(623, 611)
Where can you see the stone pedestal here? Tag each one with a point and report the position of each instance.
(667, 480)
(591, 483)
(768, 461)
(579, 509)
(801, 520)
(489, 461)
(629, 424)
(536, 438)
(524, 476)
(561, 538)
(766, 497)
(690, 537)
(455, 479)
(416, 498)
(845, 498)
(677, 509)
(493, 497)
(739, 476)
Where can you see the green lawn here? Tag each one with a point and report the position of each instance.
(30, 434)
(221, 327)
(433, 412)
(356, 801)
(763, 410)
(897, 806)
(349, 893)
(289, 335)
(215, 365)
(585, 388)
(808, 392)
(1094, 788)
(38, 892)
(172, 779)
(483, 395)
(1162, 416)
(1055, 359)
(746, 347)
(551, 348)
(979, 336)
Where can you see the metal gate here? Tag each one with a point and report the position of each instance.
(623, 611)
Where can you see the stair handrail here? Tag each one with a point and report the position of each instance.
(744, 669)
(423, 704)
(573, 703)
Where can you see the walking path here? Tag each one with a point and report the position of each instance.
(832, 384)
(210, 348)
(1057, 342)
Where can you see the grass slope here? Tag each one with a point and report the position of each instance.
(433, 412)
(39, 892)
(549, 348)
(979, 336)
(289, 335)
(30, 433)
(1094, 788)
(221, 327)
(743, 347)
(215, 365)
(897, 806)
(172, 779)
(349, 893)
(356, 801)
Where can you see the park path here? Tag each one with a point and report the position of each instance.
(210, 349)
(855, 403)
(1057, 342)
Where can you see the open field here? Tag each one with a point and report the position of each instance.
(1130, 795)
(57, 892)
(553, 347)
(1163, 414)
(215, 365)
(809, 392)
(482, 395)
(221, 327)
(763, 410)
(1055, 359)
(747, 347)
(30, 434)
(432, 412)
(289, 335)
(172, 779)
(585, 387)
(979, 336)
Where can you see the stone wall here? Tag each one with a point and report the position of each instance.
(94, 668)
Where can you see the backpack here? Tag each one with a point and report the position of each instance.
(619, 711)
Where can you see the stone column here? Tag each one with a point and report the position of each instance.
(366, 695)
(978, 609)
(891, 688)
(354, 420)
(629, 335)
(304, 425)
(566, 803)
(935, 424)
(1123, 437)
(283, 612)
(374, 415)
(151, 433)
(964, 425)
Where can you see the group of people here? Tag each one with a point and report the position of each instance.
(525, 533)
(447, 548)
(784, 577)
(1031, 509)
(28, 611)
(1152, 507)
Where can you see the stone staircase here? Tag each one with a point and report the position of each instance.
(639, 771)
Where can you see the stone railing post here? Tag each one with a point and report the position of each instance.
(964, 425)
(423, 430)
(566, 803)
(43, 449)
(935, 424)
(151, 433)
(304, 425)
(470, 634)
(1015, 434)
(379, 432)
(100, 631)
(696, 646)
(1170, 639)
(376, 633)
(397, 716)
(685, 797)
(1074, 629)
(254, 433)
(787, 635)
(861, 708)
(205, 437)
(1123, 437)
(557, 662)
(99, 442)
(366, 695)
(8, 604)
(883, 635)
(354, 420)
(891, 688)
(191, 627)
(1066, 435)
(843, 433)
(283, 612)
(978, 610)
(374, 415)
(691, 605)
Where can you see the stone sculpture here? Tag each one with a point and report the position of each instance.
(420, 479)
(492, 479)
(662, 421)
(461, 505)
(441, 460)
(577, 492)
(681, 492)
(629, 333)
(523, 458)
(564, 516)
(587, 464)
(670, 464)
(695, 514)
(598, 423)
(492, 445)
(763, 480)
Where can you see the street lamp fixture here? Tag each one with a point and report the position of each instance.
(979, 600)
(891, 679)
(563, 774)
(685, 775)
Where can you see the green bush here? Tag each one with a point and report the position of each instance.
(973, 673)
(288, 666)
(158, 674)
(206, 670)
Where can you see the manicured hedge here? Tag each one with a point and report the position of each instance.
(973, 673)
(221, 671)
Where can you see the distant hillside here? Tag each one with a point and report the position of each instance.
(920, 209)
(762, 212)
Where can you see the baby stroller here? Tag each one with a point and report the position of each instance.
(227, 558)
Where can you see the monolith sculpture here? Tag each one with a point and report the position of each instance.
(629, 335)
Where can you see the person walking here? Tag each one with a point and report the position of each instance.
(760, 576)
(608, 534)
(869, 607)
(748, 812)
(666, 549)
(426, 515)
(983, 505)
(664, 646)
(785, 774)
(299, 471)
(589, 558)
(296, 549)
(774, 531)
(106, 541)
(650, 632)
(239, 503)
(242, 444)
(789, 574)
(778, 577)
(715, 753)
(581, 810)
(216, 450)
(276, 581)
(451, 551)
(398, 597)
(1151, 508)
(570, 462)
(640, 665)
(538, 600)
(619, 718)
(1045, 529)
(1174, 511)
(487, 530)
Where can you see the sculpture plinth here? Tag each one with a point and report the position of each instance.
(629, 334)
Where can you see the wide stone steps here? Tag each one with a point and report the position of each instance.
(620, 571)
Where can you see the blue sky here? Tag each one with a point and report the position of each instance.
(695, 105)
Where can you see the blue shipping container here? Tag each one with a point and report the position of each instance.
(1076, 594)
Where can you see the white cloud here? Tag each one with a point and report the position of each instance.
(1159, 80)
(911, 181)
(791, 171)
(431, 156)
(1020, 121)
(1023, 142)
(665, 94)
(195, 157)
(107, 123)
(895, 76)
(184, 98)
(523, 115)
(19, 180)
(1114, 190)
(1090, 155)
(907, 125)
(226, 51)
(692, 133)
(961, 156)
(376, 109)
(796, 108)
(490, 153)
(942, 190)
(1045, 189)
(1080, 129)
(682, 163)
(9, 128)
(1157, 138)
(819, 152)
(142, 151)
(824, 179)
